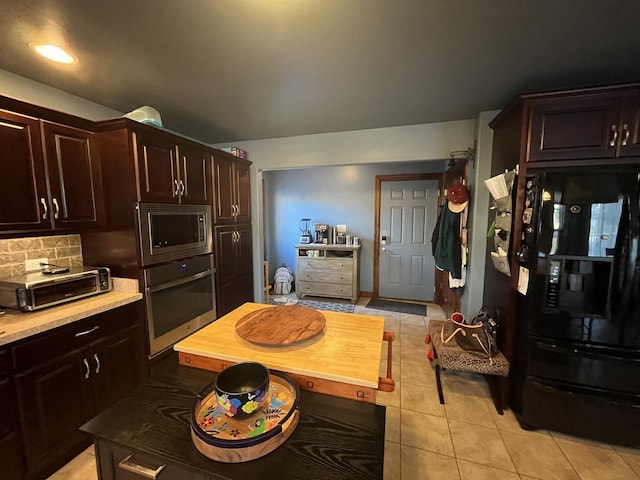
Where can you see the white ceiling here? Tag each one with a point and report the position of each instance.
(228, 70)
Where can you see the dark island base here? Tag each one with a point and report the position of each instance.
(335, 439)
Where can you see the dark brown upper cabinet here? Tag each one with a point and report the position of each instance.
(630, 136)
(232, 189)
(195, 170)
(75, 181)
(584, 126)
(24, 203)
(170, 172)
(51, 176)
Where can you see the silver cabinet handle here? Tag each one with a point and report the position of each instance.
(130, 466)
(95, 357)
(182, 188)
(87, 370)
(87, 332)
(43, 202)
(625, 129)
(56, 208)
(614, 129)
(176, 190)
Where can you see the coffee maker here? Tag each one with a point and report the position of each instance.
(322, 233)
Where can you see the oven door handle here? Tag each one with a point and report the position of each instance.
(182, 281)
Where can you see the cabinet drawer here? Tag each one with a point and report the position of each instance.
(314, 288)
(325, 264)
(119, 463)
(54, 343)
(326, 276)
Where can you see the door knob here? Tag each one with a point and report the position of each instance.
(384, 249)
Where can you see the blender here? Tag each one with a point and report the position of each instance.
(305, 233)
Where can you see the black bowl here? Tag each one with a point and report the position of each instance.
(241, 389)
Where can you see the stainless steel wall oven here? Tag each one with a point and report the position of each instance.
(179, 298)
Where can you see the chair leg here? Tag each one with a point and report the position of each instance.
(439, 384)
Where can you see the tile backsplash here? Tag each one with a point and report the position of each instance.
(63, 250)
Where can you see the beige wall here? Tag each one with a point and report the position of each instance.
(21, 88)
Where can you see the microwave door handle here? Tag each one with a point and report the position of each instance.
(182, 281)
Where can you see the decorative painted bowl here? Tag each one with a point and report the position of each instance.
(241, 389)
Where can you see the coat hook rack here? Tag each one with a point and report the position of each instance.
(467, 155)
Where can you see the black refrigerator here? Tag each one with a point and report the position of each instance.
(576, 362)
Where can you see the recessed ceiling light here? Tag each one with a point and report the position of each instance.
(53, 52)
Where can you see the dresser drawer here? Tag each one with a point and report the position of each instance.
(325, 264)
(325, 289)
(326, 276)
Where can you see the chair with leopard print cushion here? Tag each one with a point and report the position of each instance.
(453, 357)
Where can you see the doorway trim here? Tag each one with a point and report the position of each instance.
(376, 233)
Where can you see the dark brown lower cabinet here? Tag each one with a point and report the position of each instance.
(54, 400)
(11, 464)
(66, 376)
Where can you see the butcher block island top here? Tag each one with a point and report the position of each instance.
(343, 360)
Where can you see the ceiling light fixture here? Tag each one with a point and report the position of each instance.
(54, 53)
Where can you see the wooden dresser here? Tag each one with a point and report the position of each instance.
(334, 272)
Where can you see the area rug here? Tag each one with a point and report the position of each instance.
(317, 304)
(402, 307)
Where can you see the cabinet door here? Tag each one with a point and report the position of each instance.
(11, 457)
(630, 136)
(234, 267)
(157, 168)
(117, 364)
(225, 246)
(573, 128)
(54, 399)
(23, 191)
(243, 260)
(195, 175)
(10, 444)
(74, 176)
(224, 198)
(242, 185)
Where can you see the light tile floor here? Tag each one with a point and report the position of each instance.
(464, 439)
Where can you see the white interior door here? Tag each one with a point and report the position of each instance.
(408, 215)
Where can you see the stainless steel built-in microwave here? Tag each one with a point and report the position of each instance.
(173, 231)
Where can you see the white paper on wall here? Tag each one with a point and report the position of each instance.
(497, 186)
(523, 280)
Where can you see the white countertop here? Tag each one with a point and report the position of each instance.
(16, 325)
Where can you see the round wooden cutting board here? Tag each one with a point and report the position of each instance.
(281, 325)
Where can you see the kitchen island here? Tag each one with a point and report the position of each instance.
(344, 360)
(336, 438)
